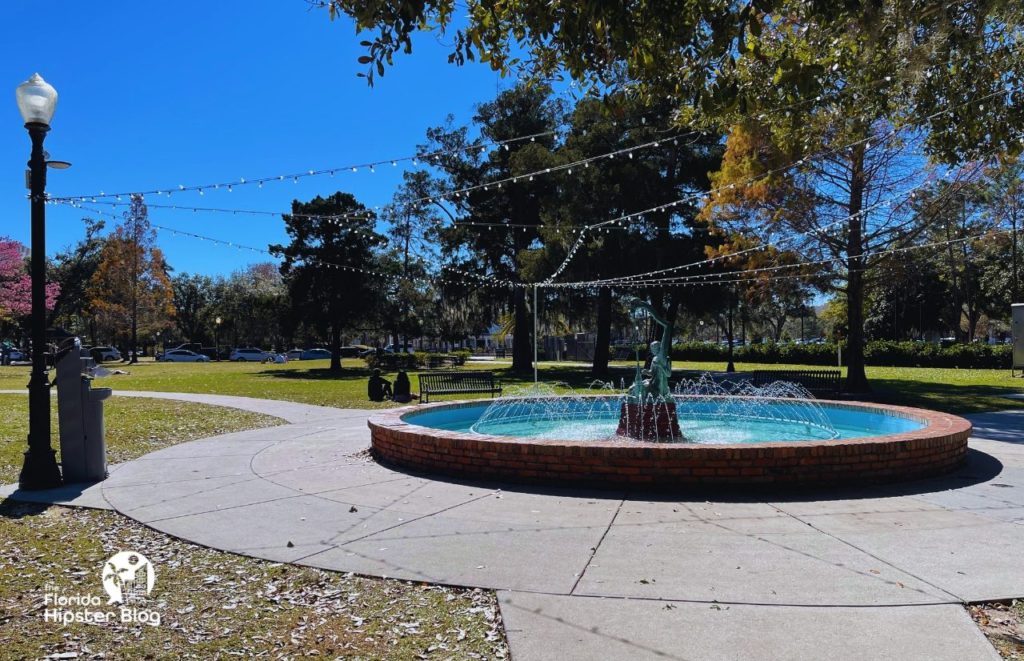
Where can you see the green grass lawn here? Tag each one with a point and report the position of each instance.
(952, 390)
(942, 389)
(134, 427)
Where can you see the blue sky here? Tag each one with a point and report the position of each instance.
(153, 95)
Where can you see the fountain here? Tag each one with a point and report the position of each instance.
(703, 432)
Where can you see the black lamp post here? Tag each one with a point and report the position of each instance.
(37, 101)
(216, 339)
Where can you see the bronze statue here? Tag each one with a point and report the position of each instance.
(655, 387)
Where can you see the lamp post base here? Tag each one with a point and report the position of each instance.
(40, 470)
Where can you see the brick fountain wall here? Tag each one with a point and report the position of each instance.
(939, 447)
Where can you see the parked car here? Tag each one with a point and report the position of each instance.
(294, 354)
(351, 351)
(315, 354)
(183, 356)
(248, 354)
(391, 348)
(103, 354)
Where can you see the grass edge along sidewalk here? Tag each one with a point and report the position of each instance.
(134, 427)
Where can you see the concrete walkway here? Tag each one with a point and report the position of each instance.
(878, 572)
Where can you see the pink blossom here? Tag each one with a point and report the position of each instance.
(16, 284)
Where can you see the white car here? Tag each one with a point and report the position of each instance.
(183, 356)
(103, 354)
(251, 355)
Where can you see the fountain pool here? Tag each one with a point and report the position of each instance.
(702, 420)
(729, 433)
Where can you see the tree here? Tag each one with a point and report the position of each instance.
(968, 236)
(607, 188)
(700, 53)
(327, 265)
(496, 228)
(73, 269)
(847, 202)
(193, 297)
(408, 294)
(130, 291)
(16, 283)
(1003, 195)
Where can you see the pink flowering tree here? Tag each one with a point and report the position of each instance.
(16, 284)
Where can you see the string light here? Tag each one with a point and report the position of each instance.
(354, 167)
(434, 155)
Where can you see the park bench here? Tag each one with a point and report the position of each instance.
(457, 383)
(819, 382)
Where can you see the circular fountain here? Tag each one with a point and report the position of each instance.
(728, 433)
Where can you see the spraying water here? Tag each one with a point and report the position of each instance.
(709, 411)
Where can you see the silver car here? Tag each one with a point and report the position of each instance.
(183, 356)
(102, 354)
(249, 355)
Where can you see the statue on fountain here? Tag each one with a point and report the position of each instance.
(649, 412)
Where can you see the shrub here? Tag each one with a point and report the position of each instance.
(877, 352)
(390, 362)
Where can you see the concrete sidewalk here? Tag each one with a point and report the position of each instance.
(878, 572)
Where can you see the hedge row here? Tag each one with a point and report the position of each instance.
(420, 359)
(880, 352)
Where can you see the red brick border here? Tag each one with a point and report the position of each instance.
(937, 448)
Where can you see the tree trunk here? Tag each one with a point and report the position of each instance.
(778, 327)
(730, 366)
(335, 348)
(135, 337)
(522, 350)
(856, 378)
(599, 370)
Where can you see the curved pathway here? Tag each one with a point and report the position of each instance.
(880, 571)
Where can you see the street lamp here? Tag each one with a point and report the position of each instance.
(216, 340)
(37, 101)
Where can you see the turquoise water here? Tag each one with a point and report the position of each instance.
(700, 421)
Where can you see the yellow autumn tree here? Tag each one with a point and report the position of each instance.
(130, 292)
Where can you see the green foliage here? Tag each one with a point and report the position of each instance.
(193, 296)
(419, 359)
(730, 57)
(886, 353)
(72, 270)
